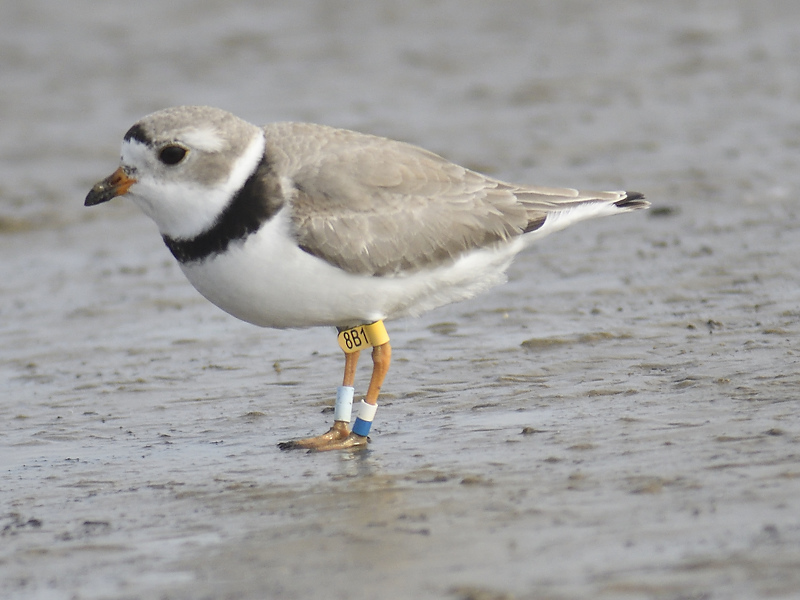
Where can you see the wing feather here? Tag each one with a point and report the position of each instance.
(375, 206)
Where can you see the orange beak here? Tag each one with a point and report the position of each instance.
(116, 184)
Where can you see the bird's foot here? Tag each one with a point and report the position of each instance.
(351, 442)
(337, 437)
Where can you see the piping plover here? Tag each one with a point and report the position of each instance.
(301, 225)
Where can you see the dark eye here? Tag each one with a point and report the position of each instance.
(172, 154)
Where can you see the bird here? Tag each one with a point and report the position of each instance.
(295, 225)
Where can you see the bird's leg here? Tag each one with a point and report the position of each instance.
(350, 364)
(340, 429)
(338, 437)
(381, 359)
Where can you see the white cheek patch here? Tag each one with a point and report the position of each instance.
(175, 208)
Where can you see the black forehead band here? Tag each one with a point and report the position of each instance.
(137, 133)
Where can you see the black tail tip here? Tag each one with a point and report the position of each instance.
(632, 201)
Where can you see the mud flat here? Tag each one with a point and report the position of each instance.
(620, 420)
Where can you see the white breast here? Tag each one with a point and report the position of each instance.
(269, 281)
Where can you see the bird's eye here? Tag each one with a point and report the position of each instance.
(172, 154)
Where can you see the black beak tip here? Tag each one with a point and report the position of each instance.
(100, 193)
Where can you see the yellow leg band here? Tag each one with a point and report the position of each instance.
(363, 336)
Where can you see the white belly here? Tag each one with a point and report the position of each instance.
(269, 281)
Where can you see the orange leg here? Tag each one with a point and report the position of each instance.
(339, 436)
(340, 429)
(381, 359)
(350, 364)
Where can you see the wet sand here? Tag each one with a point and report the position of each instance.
(620, 420)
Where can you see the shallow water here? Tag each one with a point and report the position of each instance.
(619, 420)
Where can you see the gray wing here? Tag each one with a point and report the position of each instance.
(373, 206)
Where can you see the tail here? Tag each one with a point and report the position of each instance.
(554, 209)
(632, 201)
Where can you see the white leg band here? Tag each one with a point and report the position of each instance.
(366, 413)
(343, 409)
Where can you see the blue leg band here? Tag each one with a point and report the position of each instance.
(362, 427)
(366, 413)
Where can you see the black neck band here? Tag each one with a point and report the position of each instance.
(254, 204)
